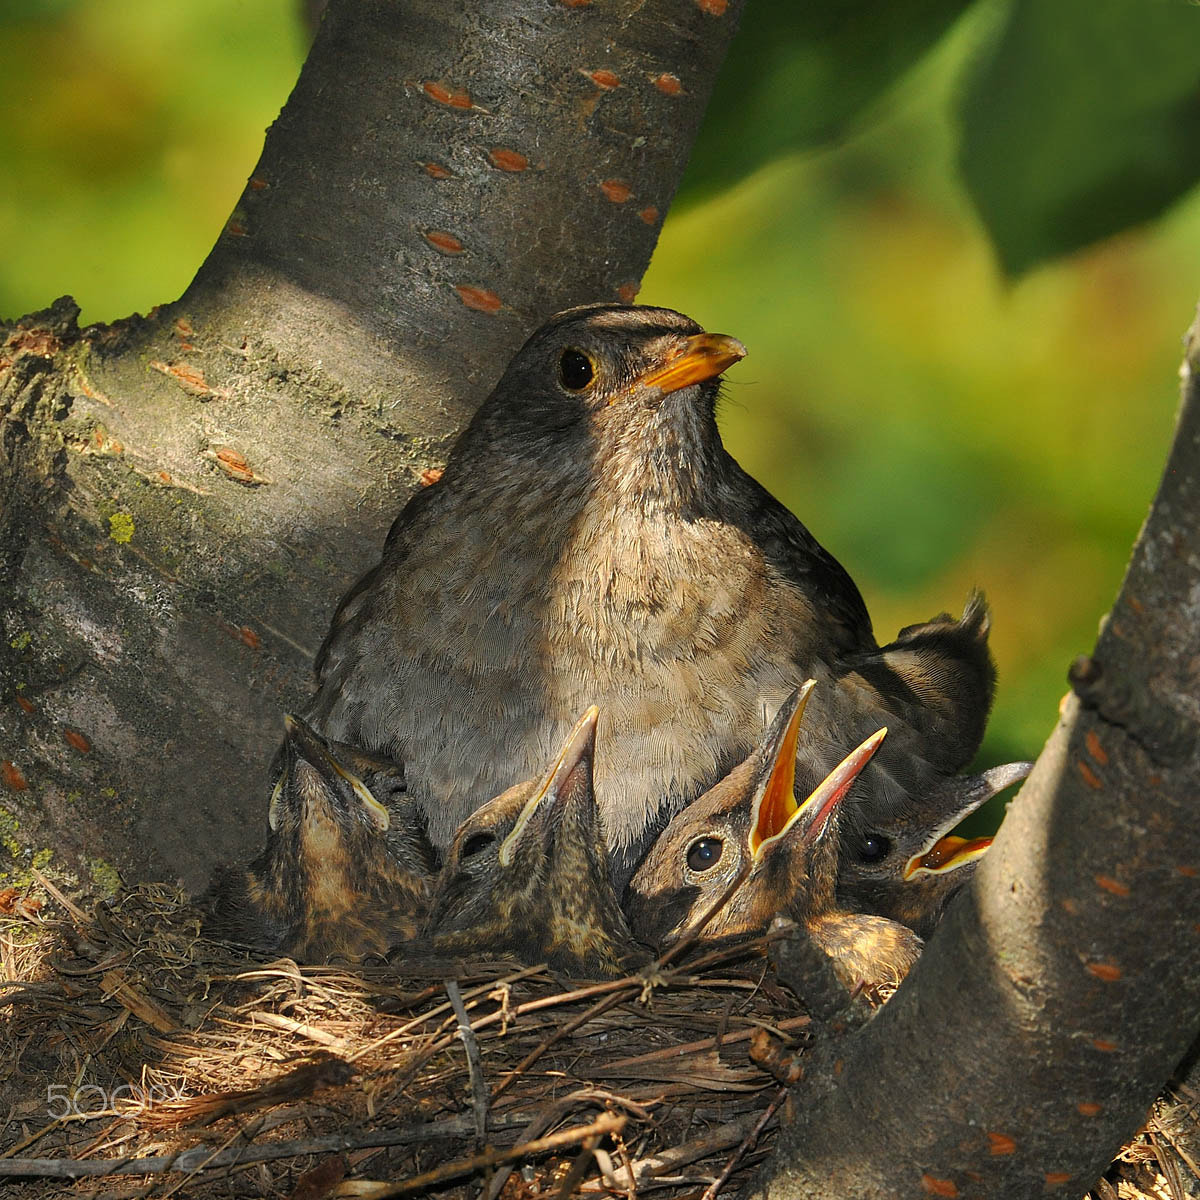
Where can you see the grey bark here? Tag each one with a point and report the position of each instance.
(1053, 1002)
(186, 496)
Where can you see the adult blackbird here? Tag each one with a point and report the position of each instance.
(347, 867)
(527, 875)
(748, 850)
(591, 541)
(909, 869)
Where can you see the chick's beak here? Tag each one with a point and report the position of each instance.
(946, 851)
(810, 818)
(775, 802)
(703, 356)
(947, 854)
(305, 743)
(555, 789)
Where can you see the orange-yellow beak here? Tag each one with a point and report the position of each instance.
(703, 356)
(777, 803)
(775, 810)
(309, 745)
(946, 854)
(944, 851)
(578, 749)
(814, 813)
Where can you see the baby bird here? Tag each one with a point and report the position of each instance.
(527, 874)
(909, 870)
(347, 867)
(747, 837)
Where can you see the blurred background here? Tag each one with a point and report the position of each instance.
(959, 239)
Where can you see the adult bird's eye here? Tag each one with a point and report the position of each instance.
(475, 843)
(704, 853)
(575, 370)
(874, 848)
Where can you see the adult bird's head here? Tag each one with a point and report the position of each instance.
(909, 868)
(527, 874)
(747, 840)
(346, 867)
(634, 385)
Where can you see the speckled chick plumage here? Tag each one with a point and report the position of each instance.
(527, 875)
(347, 868)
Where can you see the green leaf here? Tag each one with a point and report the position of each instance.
(1081, 120)
(798, 74)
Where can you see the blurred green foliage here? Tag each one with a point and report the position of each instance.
(1081, 117)
(130, 127)
(936, 425)
(798, 75)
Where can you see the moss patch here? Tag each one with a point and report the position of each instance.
(105, 876)
(15, 873)
(9, 828)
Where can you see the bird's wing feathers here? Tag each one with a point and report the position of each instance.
(844, 625)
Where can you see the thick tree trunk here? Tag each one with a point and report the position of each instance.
(1055, 999)
(186, 496)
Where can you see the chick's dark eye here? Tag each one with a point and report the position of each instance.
(874, 848)
(475, 843)
(575, 370)
(704, 853)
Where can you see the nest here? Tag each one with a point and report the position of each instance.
(144, 1049)
(148, 1060)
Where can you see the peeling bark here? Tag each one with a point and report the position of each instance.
(1055, 999)
(186, 496)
